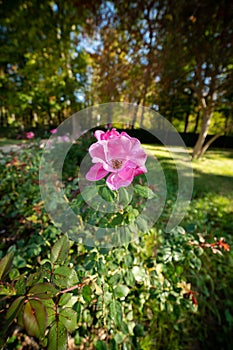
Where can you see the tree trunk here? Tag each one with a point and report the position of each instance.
(215, 137)
(186, 122)
(197, 121)
(197, 151)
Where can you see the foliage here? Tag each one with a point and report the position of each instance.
(141, 295)
(93, 293)
(171, 57)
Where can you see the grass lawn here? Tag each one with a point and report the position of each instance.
(211, 208)
(8, 142)
(212, 173)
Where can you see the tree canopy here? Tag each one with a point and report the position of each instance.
(58, 57)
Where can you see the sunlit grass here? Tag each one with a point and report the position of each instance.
(8, 142)
(213, 184)
(213, 172)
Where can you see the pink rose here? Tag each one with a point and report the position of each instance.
(30, 135)
(118, 154)
(53, 131)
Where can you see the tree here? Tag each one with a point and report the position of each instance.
(199, 36)
(43, 67)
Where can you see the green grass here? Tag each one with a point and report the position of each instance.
(9, 142)
(212, 174)
(211, 207)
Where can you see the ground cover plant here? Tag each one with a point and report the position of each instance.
(163, 291)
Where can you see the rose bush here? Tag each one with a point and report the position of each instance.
(139, 296)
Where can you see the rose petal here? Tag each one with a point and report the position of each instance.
(99, 134)
(140, 170)
(121, 179)
(97, 172)
(97, 152)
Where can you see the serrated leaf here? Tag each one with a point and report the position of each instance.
(121, 291)
(64, 277)
(69, 319)
(14, 309)
(35, 318)
(43, 290)
(50, 309)
(58, 337)
(60, 250)
(5, 264)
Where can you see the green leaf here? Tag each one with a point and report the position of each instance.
(129, 278)
(106, 194)
(121, 291)
(115, 309)
(113, 345)
(58, 337)
(60, 250)
(6, 290)
(115, 279)
(124, 328)
(100, 345)
(43, 290)
(14, 309)
(86, 293)
(5, 264)
(65, 277)
(50, 309)
(78, 308)
(144, 191)
(124, 196)
(142, 224)
(128, 260)
(14, 273)
(69, 319)
(65, 298)
(139, 273)
(35, 318)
